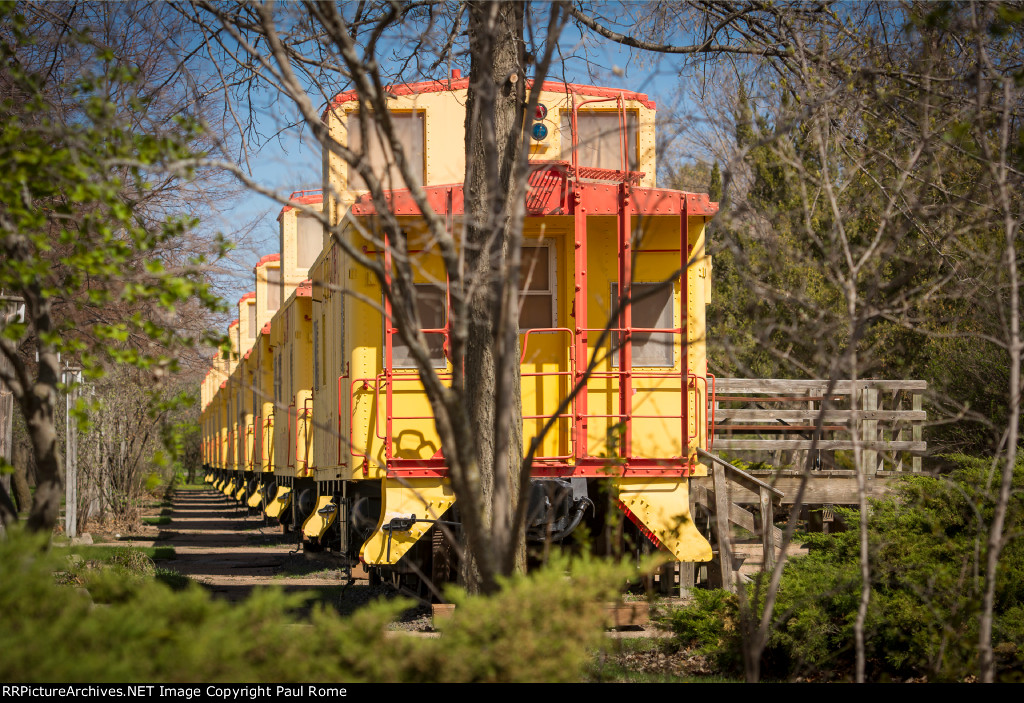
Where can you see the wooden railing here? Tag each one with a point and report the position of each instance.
(774, 420)
(719, 503)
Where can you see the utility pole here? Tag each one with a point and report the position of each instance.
(72, 379)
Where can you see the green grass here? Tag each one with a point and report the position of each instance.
(170, 577)
(314, 573)
(156, 520)
(105, 553)
(192, 486)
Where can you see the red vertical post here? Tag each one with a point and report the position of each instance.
(580, 313)
(449, 225)
(684, 317)
(625, 321)
(288, 449)
(339, 419)
(388, 359)
(257, 424)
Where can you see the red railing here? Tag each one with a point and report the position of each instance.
(268, 441)
(692, 382)
(713, 402)
(307, 411)
(250, 431)
(570, 375)
(339, 396)
(288, 445)
(351, 420)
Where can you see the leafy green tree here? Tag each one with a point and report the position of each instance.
(72, 238)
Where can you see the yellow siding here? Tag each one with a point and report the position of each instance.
(265, 397)
(293, 425)
(331, 451)
(548, 353)
(444, 126)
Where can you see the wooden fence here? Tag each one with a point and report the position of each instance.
(777, 421)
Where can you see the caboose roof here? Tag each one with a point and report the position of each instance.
(439, 86)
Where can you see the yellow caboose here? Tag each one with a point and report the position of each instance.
(598, 232)
(612, 304)
(289, 427)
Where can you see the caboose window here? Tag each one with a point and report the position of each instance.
(430, 304)
(599, 140)
(310, 241)
(409, 132)
(537, 288)
(273, 288)
(652, 309)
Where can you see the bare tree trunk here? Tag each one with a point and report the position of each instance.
(42, 431)
(494, 124)
(862, 500)
(1014, 347)
(22, 492)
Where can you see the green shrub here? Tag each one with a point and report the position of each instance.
(530, 630)
(710, 624)
(538, 628)
(153, 482)
(927, 543)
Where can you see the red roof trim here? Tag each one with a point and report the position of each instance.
(312, 199)
(223, 384)
(266, 260)
(597, 199)
(233, 323)
(305, 289)
(463, 84)
(248, 353)
(247, 296)
(266, 329)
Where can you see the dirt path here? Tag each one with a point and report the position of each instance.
(230, 552)
(218, 544)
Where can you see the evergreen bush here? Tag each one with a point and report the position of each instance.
(928, 539)
(544, 627)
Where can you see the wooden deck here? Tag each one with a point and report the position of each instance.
(788, 424)
(780, 442)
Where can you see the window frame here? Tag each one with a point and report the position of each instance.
(275, 283)
(566, 135)
(615, 337)
(552, 289)
(318, 238)
(355, 182)
(409, 364)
